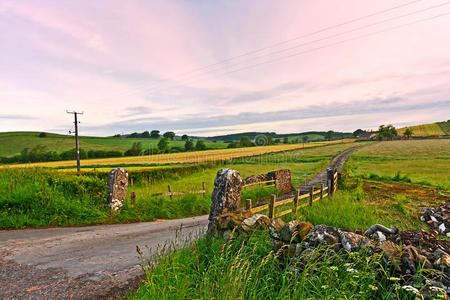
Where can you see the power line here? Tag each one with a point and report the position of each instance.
(195, 79)
(338, 34)
(290, 40)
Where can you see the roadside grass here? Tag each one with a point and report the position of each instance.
(248, 268)
(425, 162)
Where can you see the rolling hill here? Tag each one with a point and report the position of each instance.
(439, 128)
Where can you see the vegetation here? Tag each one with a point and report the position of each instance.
(387, 132)
(433, 129)
(248, 268)
(417, 161)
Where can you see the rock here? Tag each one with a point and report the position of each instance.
(283, 180)
(231, 220)
(117, 188)
(351, 241)
(275, 228)
(257, 221)
(295, 231)
(391, 252)
(438, 218)
(226, 195)
(323, 234)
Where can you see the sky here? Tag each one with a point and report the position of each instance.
(203, 67)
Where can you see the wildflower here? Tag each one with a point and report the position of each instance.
(351, 270)
(334, 268)
(324, 287)
(348, 264)
(373, 288)
(412, 289)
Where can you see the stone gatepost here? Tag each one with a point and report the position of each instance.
(283, 180)
(117, 188)
(226, 196)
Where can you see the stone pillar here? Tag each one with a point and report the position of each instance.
(117, 188)
(283, 180)
(226, 196)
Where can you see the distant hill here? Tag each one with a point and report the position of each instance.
(312, 136)
(439, 128)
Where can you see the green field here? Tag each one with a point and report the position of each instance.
(11, 143)
(441, 128)
(417, 161)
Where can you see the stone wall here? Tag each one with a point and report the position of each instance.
(282, 178)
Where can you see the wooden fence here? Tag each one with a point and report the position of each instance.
(171, 193)
(266, 183)
(313, 195)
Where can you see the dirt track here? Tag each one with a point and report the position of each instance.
(92, 261)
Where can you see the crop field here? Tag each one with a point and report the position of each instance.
(426, 129)
(417, 161)
(184, 157)
(11, 143)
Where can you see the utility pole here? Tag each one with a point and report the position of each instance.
(77, 146)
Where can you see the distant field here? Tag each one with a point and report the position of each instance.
(420, 161)
(427, 129)
(11, 143)
(185, 157)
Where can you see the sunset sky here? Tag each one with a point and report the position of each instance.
(206, 67)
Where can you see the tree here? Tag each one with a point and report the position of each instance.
(305, 138)
(42, 134)
(189, 145)
(146, 134)
(200, 145)
(135, 149)
(184, 137)
(269, 140)
(169, 135)
(154, 134)
(387, 132)
(329, 135)
(163, 144)
(245, 141)
(408, 132)
(358, 132)
(133, 135)
(286, 140)
(277, 141)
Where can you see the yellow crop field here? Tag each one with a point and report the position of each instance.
(183, 157)
(423, 130)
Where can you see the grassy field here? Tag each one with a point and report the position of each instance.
(427, 129)
(11, 143)
(417, 161)
(248, 268)
(37, 197)
(183, 157)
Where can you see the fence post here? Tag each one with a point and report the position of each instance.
(297, 192)
(248, 204)
(204, 189)
(133, 198)
(311, 195)
(149, 180)
(330, 176)
(272, 207)
(321, 191)
(131, 181)
(170, 191)
(335, 180)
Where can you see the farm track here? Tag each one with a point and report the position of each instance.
(92, 261)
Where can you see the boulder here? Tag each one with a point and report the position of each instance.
(231, 220)
(257, 221)
(325, 235)
(226, 195)
(117, 188)
(351, 241)
(275, 228)
(295, 231)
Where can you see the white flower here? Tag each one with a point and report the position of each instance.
(351, 270)
(348, 265)
(412, 289)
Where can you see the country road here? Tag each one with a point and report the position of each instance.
(82, 262)
(91, 261)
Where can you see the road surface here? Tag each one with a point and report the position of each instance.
(82, 262)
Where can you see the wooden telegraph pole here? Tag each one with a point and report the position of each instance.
(77, 144)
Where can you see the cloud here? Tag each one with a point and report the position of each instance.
(135, 111)
(17, 117)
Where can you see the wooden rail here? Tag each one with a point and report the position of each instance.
(171, 193)
(322, 192)
(261, 182)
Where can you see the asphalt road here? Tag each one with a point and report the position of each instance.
(83, 262)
